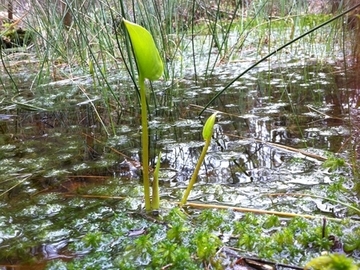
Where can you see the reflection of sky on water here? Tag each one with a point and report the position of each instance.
(306, 107)
(296, 110)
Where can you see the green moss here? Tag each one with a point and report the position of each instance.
(14, 37)
(352, 240)
(334, 163)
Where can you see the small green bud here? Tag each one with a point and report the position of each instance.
(208, 127)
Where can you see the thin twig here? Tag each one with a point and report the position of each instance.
(217, 206)
(275, 145)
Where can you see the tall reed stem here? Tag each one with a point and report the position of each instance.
(145, 144)
(274, 52)
(155, 202)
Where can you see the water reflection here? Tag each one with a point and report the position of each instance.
(265, 120)
(307, 107)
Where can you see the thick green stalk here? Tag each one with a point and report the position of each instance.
(145, 144)
(196, 172)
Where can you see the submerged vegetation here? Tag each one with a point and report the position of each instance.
(276, 185)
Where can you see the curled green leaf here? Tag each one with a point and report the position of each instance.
(147, 55)
(209, 126)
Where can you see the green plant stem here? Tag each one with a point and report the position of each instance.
(155, 202)
(196, 172)
(145, 144)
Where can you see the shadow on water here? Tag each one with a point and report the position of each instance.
(66, 149)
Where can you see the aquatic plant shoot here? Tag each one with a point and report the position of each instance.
(207, 134)
(150, 66)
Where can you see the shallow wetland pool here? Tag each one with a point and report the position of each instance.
(70, 180)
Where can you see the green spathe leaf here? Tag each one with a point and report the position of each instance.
(208, 127)
(147, 56)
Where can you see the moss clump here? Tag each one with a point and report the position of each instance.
(12, 37)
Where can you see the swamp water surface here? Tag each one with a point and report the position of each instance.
(50, 157)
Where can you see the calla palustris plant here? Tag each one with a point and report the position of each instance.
(150, 66)
(207, 134)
